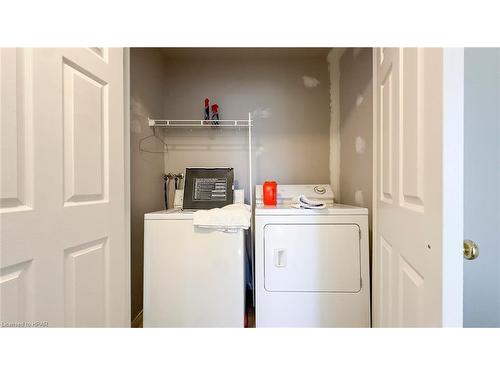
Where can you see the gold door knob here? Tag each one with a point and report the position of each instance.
(471, 250)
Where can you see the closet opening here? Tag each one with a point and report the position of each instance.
(310, 113)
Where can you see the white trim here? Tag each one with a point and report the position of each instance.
(126, 150)
(453, 190)
(250, 187)
(374, 283)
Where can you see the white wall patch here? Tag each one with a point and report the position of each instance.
(356, 52)
(261, 113)
(333, 59)
(138, 116)
(310, 82)
(359, 100)
(358, 198)
(360, 145)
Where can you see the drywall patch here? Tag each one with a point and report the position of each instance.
(360, 145)
(310, 82)
(259, 151)
(356, 52)
(358, 198)
(359, 100)
(261, 113)
(138, 116)
(333, 60)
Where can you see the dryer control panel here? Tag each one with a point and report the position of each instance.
(286, 193)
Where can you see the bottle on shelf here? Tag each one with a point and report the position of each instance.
(207, 110)
(215, 114)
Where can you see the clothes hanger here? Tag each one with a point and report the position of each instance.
(153, 136)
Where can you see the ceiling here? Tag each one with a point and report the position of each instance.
(239, 52)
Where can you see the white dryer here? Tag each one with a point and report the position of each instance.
(311, 266)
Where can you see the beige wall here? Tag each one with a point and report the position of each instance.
(292, 113)
(146, 189)
(356, 126)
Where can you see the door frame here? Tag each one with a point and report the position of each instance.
(126, 148)
(453, 178)
(453, 186)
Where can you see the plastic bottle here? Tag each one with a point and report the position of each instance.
(207, 109)
(215, 114)
(270, 192)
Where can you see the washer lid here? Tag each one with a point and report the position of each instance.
(171, 214)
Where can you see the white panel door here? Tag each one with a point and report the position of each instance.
(410, 241)
(64, 259)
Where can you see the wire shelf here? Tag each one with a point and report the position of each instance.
(201, 123)
(209, 124)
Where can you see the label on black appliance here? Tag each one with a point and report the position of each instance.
(209, 189)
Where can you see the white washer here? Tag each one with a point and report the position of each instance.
(192, 277)
(311, 266)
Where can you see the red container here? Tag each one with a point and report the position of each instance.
(270, 190)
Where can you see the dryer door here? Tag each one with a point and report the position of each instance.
(312, 258)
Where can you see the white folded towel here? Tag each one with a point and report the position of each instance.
(303, 202)
(228, 218)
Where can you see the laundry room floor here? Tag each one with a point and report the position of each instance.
(250, 318)
(137, 322)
